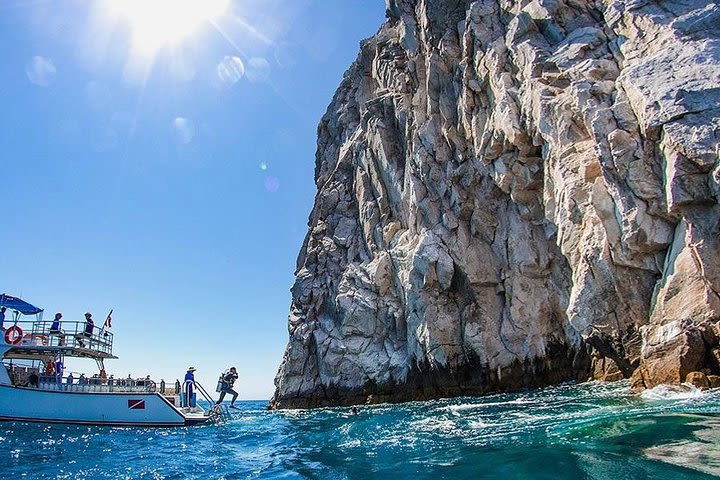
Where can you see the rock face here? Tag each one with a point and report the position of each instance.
(513, 193)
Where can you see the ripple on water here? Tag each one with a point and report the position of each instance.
(595, 431)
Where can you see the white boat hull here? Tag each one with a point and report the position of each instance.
(116, 409)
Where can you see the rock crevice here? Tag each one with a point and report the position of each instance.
(512, 194)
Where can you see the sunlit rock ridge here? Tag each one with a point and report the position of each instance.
(512, 194)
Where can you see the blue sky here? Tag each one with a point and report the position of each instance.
(171, 179)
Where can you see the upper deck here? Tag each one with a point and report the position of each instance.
(72, 340)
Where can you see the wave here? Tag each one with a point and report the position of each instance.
(672, 392)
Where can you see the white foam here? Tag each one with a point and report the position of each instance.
(672, 392)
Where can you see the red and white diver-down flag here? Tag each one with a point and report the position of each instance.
(135, 404)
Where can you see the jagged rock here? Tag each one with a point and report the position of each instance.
(670, 353)
(606, 369)
(698, 379)
(715, 358)
(504, 185)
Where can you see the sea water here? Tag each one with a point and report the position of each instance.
(588, 431)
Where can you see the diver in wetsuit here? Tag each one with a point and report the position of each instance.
(228, 380)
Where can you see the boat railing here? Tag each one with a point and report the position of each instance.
(71, 334)
(95, 384)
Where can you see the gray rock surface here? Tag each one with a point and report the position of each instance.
(513, 193)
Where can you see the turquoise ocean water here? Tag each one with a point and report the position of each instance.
(589, 431)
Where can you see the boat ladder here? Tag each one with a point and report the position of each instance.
(217, 412)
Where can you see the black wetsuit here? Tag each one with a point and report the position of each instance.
(228, 380)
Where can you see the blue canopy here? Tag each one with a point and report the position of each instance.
(18, 304)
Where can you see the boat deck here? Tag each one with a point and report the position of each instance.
(72, 339)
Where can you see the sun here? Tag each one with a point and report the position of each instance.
(155, 24)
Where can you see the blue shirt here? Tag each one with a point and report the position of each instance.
(189, 377)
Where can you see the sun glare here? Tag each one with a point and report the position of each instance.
(157, 23)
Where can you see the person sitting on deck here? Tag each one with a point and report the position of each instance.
(55, 329)
(33, 380)
(228, 380)
(88, 332)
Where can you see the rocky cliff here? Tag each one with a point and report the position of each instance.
(513, 193)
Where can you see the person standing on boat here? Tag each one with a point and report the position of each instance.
(59, 369)
(50, 368)
(228, 380)
(189, 387)
(2, 318)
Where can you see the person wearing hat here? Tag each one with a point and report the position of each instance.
(55, 329)
(89, 324)
(228, 380)
(88, 332)
(189, 386)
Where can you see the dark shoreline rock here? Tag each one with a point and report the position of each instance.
(471, 379)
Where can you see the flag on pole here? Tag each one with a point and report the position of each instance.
(108, 321)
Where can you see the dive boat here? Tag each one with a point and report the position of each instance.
(35, 386)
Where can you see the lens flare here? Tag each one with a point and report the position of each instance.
(258, 69)
(184, 130)
(230, 70)
(157, 23)
(41, 71)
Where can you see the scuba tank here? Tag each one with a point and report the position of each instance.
(220, 383)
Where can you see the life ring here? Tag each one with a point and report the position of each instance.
(13, 335)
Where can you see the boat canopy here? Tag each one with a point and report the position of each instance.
(19, 305)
